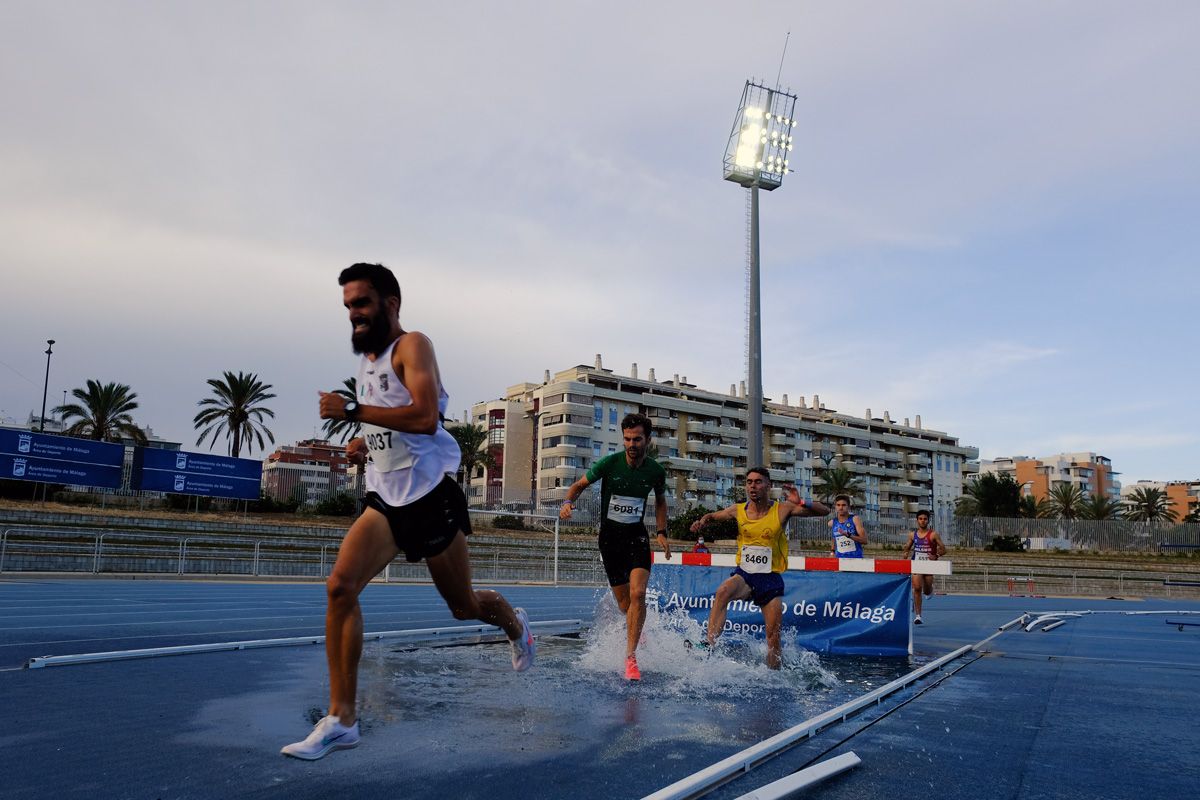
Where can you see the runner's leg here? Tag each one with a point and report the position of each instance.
(773, 618)
(733, 588)
(451, 573)
(635, 616)
(916, 592)
(366, 550)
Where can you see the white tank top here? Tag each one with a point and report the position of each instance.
(401, 467)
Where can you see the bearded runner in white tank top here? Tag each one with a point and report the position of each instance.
(401, 467)
(412, 504)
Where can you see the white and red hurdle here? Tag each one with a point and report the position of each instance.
(889, 566)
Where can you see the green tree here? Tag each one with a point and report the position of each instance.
(1032, 508)
(102, 413)
(1100, 506)
(680, 526)
(1066, 500)
(1149, 504)
(990, 495)
(834, 481)
(1194, 514)
(343, 429)
(235, 409)
(473, 443)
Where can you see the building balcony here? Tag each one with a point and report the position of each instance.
(781, 457)
(567, 429)
(897, 472)
(917, 459)
(905, 489)
(912, 507)
(781, 440)
(780, 474)
(915, 474)
(686, 464)
(891, 505)
(563, 450)
(731, 450)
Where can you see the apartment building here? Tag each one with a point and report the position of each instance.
(554, 430)
(1183, 495)
(309, 471)
(1092, 473)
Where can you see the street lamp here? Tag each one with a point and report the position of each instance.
(46, 385)
(757, 156)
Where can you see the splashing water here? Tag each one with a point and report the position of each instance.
(671, 660)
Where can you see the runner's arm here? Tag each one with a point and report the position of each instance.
(795, 506)
(573, 493)
(714, 516)
(860, 534)
(939, 548)
(413, 358)
(908, 546)
(660, 519)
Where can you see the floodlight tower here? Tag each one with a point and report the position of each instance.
(757, 157)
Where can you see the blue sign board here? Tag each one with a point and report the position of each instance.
(29, 456)
(845, 613)
(201, 474)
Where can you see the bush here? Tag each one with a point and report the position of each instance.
(508, 522)
(1007, 544)
(339, 505)
(680, 527)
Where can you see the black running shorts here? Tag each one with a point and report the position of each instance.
(623, 549)
(427, 526)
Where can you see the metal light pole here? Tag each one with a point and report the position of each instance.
(757, 157)
(46, 385)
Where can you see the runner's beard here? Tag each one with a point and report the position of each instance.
(376, 337)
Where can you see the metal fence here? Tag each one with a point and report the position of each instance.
(531, 551)
(978, 533)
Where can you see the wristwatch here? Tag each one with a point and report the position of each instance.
(350, 409)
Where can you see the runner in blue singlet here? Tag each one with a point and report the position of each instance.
(847, 530)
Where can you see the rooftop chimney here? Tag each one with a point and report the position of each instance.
(868, 416)
(785, 399)
(801, 404)
(675, 380)
(887, 417)
(633, 371)
(652, 373)
(599, 363)
(733, 390)
(918, 422)
(742, 389)
(906, 423)
(816, 401)
(546, 377)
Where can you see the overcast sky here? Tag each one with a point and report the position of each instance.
(992, 219)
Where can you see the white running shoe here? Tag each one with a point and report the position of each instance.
(917, 620)
(328, 735)
(523, 649)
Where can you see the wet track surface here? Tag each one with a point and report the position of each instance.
(1101, 707)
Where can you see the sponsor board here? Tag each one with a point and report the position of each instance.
(844, 613)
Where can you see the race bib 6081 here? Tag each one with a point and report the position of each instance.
(626, 509)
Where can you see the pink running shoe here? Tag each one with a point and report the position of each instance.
(632, 673)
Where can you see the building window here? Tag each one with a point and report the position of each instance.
(612, 415)
(599, 412)
(596, 448)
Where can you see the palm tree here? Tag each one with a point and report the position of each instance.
(1194, 514)
(102, 413)
(344, 429)
(834, 481)
(1100, 506)
(989, 495)
(1066, 500)
(1149, 504)
(473, 442)
(235, 409)
(1032, 508)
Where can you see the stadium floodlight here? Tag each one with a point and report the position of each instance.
(757, 156)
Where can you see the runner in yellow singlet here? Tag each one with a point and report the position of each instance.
(762, 555)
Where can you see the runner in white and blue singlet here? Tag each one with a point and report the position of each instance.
(847, 530)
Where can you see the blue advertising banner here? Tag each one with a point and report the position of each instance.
(845, 613)
(29, 456)
(196, 473)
